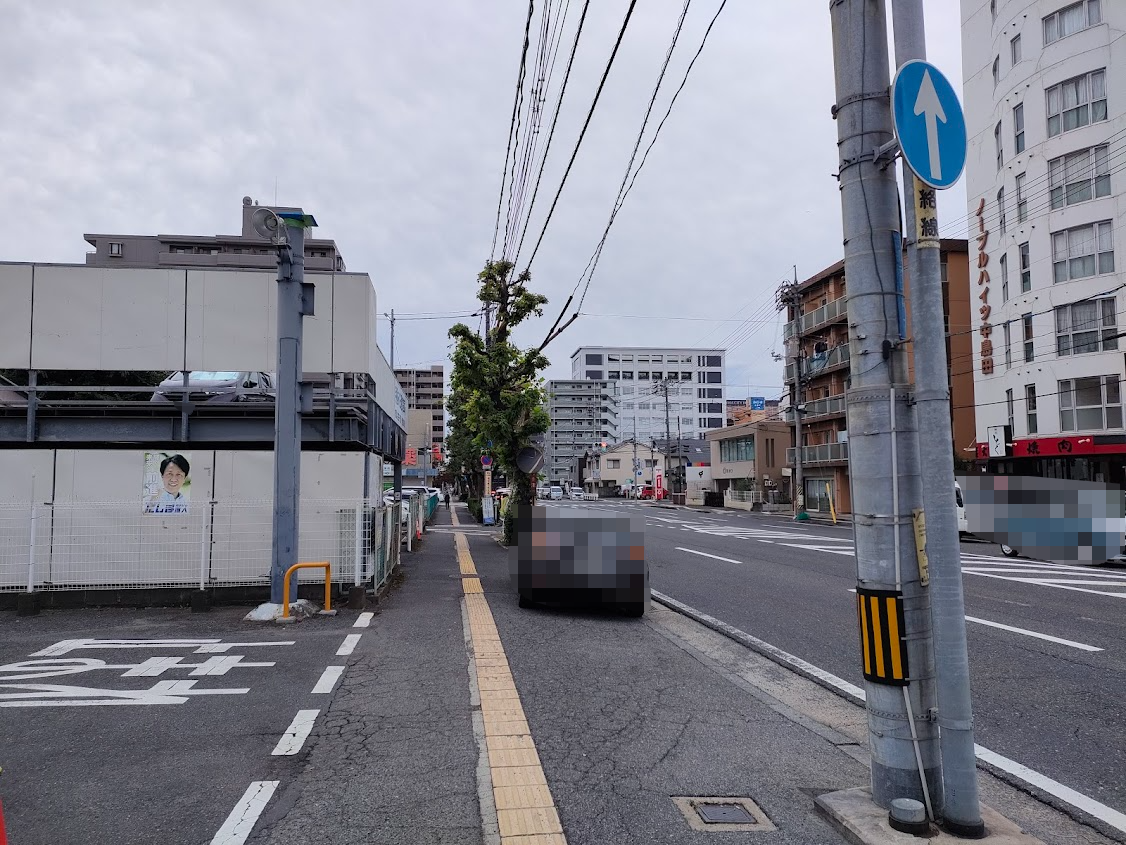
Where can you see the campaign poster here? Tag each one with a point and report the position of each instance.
(167, 486)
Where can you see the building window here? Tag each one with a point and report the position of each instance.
(1082, 251)
(1009, 408)
(1014, 49)
(1030, 402)
(737, 449)
(1018, 128)
(657, 375)
(673, 375)
(1088, 326)
(996, 70)
(1008, 345)
(1076, 102)
(594, 374)
(1004, 277)
(613, 375)
(593, 359)
(1025, 269)
(686, 391)
(614, 359)
(644, 406)
(116, 248)
(627, 375)
(1001, 210)
(1022, 201)
(1026, 321)
(629, 406)
(1090, 403)
(710, 408)
(613, 463)
(714, 377)
(685, 376)
(1079, 176)
(627, 391)
(650, 463)
(997, 144)
(643, 375)
(1071, 19)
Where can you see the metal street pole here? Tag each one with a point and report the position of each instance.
(668, 430)
(893, 606)
(961, 809)
(799, 453)
(294, 302)
(392, 339)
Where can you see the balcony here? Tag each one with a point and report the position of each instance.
(831, 406)
(836, 358)
(826, 453)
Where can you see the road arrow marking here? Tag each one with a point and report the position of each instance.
(928, 105)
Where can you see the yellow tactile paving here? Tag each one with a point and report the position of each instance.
(494, 727)
(528, 820)
(516, 797)
(535, 839)
(513, 757)
(525, 809)
(518, 776)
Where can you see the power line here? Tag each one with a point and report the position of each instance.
(512, 123)
(582, 134)
(656, 134)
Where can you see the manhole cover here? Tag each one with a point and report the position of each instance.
(724, 814)
(716, 813)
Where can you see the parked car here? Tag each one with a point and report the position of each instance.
(556, 494)
(215, 387)
(577, 494)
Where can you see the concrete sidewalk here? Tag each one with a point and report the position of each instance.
(473, 720)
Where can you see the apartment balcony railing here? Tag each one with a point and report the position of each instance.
(836, 358)
(826, 453)
(827, 313)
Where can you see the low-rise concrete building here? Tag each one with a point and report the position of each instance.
(750, 458)
(605, 473)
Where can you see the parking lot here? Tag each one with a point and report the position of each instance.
(142, 726)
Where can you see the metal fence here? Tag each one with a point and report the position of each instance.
(115, 545)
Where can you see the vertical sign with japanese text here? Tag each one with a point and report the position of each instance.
(986, 330)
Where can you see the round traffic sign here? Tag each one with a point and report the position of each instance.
(929, 123)
(486, 461)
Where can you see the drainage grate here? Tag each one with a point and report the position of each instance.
(723, 813)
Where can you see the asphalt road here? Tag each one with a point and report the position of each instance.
(99, 764)
(1048, 705)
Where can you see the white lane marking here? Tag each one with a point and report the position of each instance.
(328, 679)
(349, 645)
(1043, 583)
(297, 732)
(705, 554)
(764, 541)
(1031, 776)
(847, 552)
(363, 620)
(240, 822)
(1065, 793)
(1039, 636)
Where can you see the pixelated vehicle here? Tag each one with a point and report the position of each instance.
(580, 558)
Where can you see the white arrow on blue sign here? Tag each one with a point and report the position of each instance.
(929, 123)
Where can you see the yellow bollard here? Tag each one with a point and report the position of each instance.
(328, 611)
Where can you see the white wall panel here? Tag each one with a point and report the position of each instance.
(15, 316)
(232, 320)
(354, 314)
(26, 475)
(107, 319)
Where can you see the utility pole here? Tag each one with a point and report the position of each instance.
(488, 324)
(789, 295)
(636, 463)
(961, 808)
(892, 603)
(668, 430)
(392, 339)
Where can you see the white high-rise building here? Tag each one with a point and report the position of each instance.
(695, 379)
(1045, 102)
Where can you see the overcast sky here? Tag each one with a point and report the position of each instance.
(389, 121)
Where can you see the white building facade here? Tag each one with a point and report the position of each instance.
(695, 380)
(1045, 101)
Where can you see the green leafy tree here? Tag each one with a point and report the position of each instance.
(497, 391)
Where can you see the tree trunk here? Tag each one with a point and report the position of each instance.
(521, 502)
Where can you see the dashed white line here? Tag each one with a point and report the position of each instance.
(363, 620)
(705, 554)
(349, 645)
(296, 734)
(328, 679)
(1039, 636)
(240, 822)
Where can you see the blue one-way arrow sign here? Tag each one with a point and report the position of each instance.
(929, 123)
